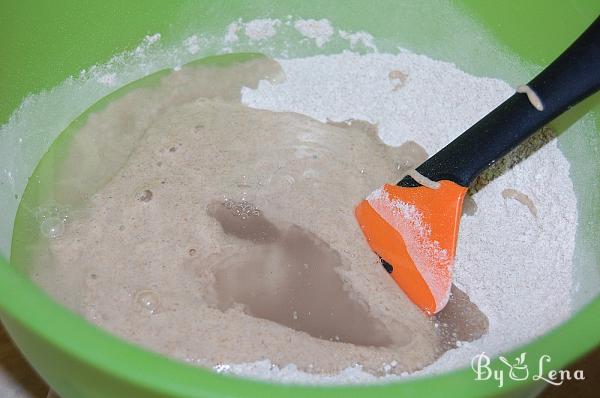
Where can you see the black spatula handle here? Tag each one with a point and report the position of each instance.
(573, 76)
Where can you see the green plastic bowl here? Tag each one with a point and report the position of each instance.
(43, 43)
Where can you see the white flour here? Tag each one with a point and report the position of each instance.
(320, 31)
(516, 267)
(260, 29)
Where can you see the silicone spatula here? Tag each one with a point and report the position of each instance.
(414, 228)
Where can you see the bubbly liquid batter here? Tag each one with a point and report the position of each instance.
(216, 233)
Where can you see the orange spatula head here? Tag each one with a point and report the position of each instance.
(414, 229)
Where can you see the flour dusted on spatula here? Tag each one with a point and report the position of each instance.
(431, 260)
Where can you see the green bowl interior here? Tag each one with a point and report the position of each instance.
(510, 41)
